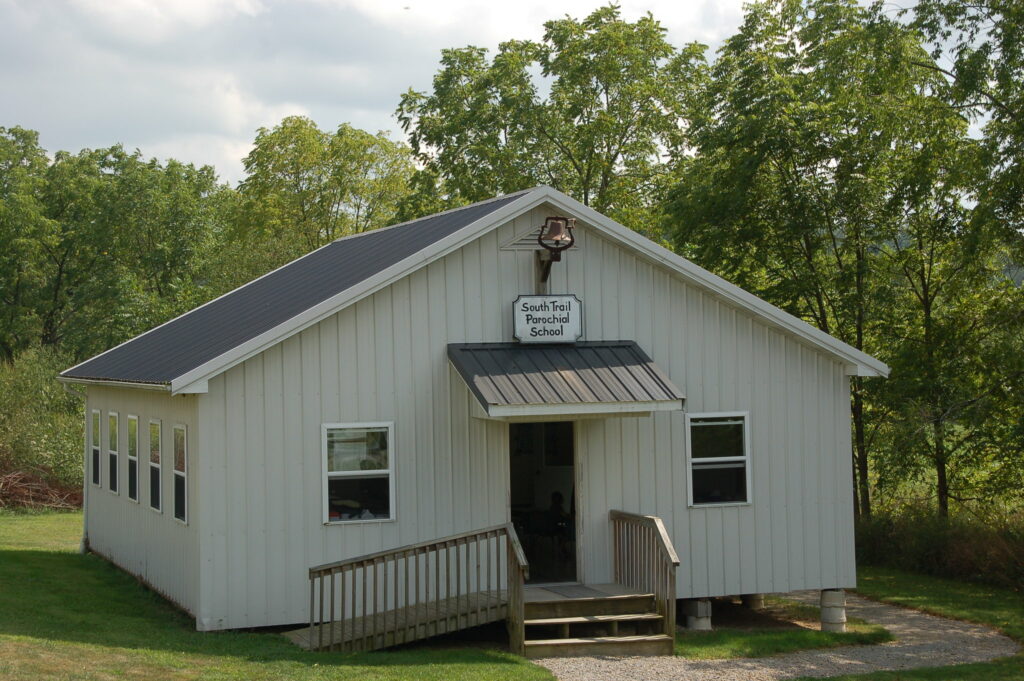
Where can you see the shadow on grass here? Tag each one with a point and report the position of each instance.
(58, 596)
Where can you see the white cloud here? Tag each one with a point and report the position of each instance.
(145, 20)
(193, 79)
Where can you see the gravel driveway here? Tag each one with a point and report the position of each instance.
(921, 641)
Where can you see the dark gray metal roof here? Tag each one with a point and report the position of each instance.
(191, 340)
(585, 373)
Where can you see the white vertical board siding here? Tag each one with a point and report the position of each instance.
(384, 359)
(153, 546)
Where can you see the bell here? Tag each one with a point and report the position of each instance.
(558, 230)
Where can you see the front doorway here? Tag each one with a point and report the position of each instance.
(543, 494)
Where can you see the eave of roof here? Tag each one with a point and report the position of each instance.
(195, 379)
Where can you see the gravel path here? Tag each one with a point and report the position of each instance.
(921, 641)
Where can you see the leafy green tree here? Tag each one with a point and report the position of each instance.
(978, 46)
(956, 324)
(787, 191)
(22, 223)
(597, 123)
(306, 187)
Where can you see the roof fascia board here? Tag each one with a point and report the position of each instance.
(319, 312)
(569, 409)
(862, 363)
(67, 380)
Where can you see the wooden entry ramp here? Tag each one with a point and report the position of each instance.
(404, 624)
(417, 591)
(422, 590)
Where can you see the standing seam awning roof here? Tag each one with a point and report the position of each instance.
(591, 377)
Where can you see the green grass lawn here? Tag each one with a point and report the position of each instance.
(999, 608)
(68, 616)
(728, 642)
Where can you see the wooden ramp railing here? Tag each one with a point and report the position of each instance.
(644, 559)
(417, 591)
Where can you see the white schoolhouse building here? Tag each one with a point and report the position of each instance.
(518, 410)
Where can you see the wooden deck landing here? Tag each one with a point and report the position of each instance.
(562, 592)
(407, 624)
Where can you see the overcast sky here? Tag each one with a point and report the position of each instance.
(194, 79)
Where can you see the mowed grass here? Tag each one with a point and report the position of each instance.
(69, 616)
(731, 641)
(1001, 609)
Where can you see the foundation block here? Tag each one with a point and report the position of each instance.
(698, 614)
(833, 610)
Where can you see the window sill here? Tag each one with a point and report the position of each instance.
(357, 521)
(724, 504)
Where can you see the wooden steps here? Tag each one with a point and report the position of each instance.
(583, 619)
(654, 644)
(567, 621)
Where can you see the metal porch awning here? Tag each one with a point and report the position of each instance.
(515, 381)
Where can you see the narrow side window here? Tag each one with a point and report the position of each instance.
(154, 465)
(133, 457)
(180, 474)
(94, 442)
(112, 451)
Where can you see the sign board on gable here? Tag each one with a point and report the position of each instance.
(548, 319)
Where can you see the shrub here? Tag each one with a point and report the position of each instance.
(965, 547)
(41, 424)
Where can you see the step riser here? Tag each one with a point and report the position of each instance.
(623, 648)
(599, 606)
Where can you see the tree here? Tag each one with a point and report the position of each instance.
(597, 123)
(306, 187)
(98, 245)
(980, 46)
(22, 166)
(787, 192)
(956, 327)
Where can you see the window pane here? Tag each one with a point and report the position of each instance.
(719, 483)
(716, 439)
(179, 449)
(154, 443)
(358, 498)
(95, 429)
(179, 497)
(133, 479)
(96, 464)
(154, 487)
(112, 470)
(133, 437)
(357, 449)
(112, 424)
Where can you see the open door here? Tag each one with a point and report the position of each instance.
(541, 473)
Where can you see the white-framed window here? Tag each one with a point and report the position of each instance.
(133, 457)
(358, 472)
(718, 445)
(94, 443)
(112, 450)
(154, 465)
(180, 473)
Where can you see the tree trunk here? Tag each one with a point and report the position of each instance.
(860, 447)
(942, 483)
